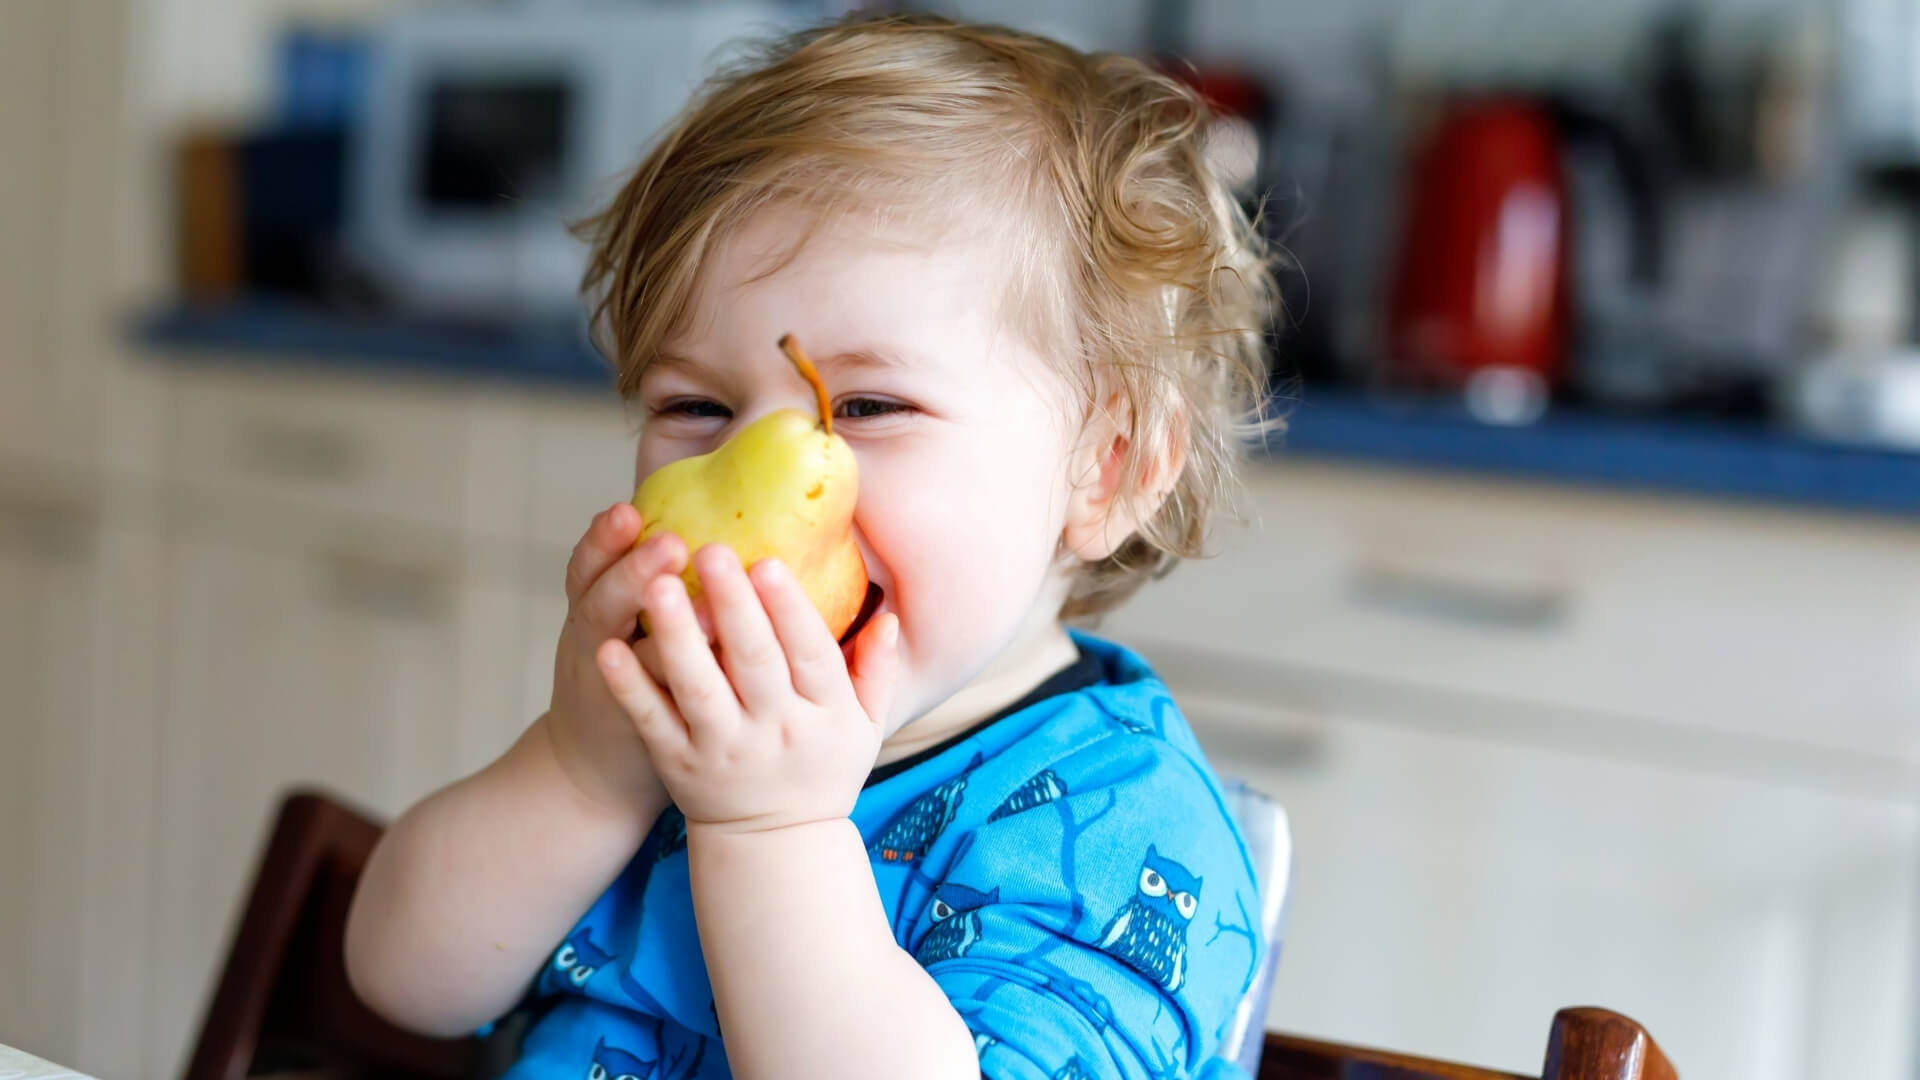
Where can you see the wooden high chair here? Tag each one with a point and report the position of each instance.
(283, 1006)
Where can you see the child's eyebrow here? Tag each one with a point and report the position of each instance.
(666, 361)
(866, 358)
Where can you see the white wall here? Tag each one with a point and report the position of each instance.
(211, 60)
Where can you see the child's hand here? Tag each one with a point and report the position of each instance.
(774, 730)
(593, 736)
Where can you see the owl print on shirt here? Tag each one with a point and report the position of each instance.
(579, 958)
(1150, 930)
(1039, 791)
(956, 922)
(613, 1063)
(909, 835)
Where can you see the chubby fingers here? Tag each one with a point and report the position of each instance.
(749, 651)
(818, 666)
(610, 534)
(611, 605)
(701, 693)
(653, 715)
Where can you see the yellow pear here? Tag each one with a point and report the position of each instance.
(783, 487)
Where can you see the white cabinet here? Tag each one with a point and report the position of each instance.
(580, 456)
(1792, 639)
(323, 450)
(26, 116)
(1545, 748)
(78, 618)
(1453, 890)
(356, 668)
(343, 604)
(46, 636)
(62, 281)
(541, 614)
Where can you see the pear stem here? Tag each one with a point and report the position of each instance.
(812, 375)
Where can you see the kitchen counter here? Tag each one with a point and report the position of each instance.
(1744, 461)
(266, 334)
(1747, 461)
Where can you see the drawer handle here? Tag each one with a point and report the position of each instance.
(1236, 747)
(314, 455)
(358, 585)
(1395, 591)
(52, 532)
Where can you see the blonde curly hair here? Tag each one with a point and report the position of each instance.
(1132, 262)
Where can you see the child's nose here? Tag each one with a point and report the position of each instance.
(799, 399)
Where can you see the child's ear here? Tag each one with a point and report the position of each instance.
(1103, 508)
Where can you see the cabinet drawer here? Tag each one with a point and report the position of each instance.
(1801, 631)
(281, 443)
(1452, 892)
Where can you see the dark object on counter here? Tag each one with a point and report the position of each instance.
(261, 213)
(1620, 353)
(1480, 279)
(208, 217)
(1531, 256)
(1739, 98)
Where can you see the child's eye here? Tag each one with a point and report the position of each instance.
(697, 408)
(867, 408)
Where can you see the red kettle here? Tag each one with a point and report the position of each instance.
(1481, 278)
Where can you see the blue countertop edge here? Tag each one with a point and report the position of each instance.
(1743, 461)
(268, 334)
(1724, 460)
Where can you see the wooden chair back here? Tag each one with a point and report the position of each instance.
(283, 1005)
(1583, 1044)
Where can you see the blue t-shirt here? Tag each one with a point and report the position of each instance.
(1069, 874)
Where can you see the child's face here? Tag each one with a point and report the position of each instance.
(961, 428)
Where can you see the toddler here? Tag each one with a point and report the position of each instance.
(971, 842)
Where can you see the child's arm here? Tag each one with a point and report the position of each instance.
(469, 889)
(765, 748)
(806, 975)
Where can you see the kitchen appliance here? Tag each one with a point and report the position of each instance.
(1529, 242)
(1480, 279)
(489, 128)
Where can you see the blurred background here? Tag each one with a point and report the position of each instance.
(1577, 624)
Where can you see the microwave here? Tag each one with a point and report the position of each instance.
(488, 129)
